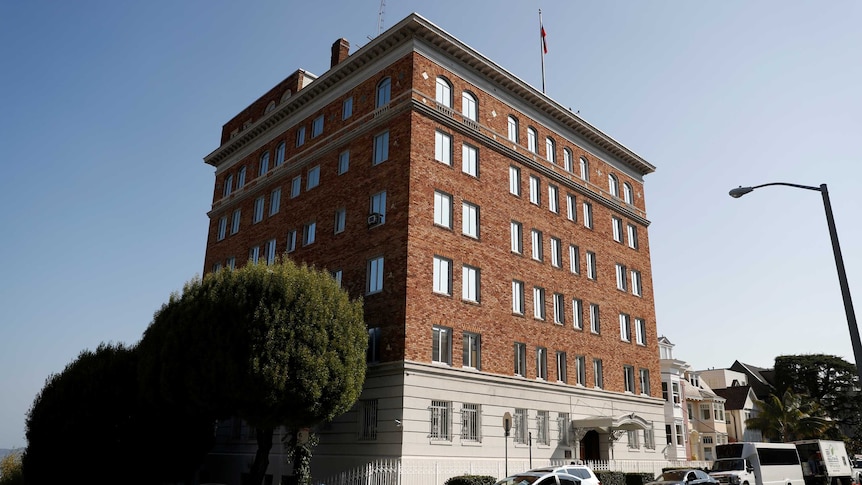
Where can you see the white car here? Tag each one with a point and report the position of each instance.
(533, 477)
(583, 472)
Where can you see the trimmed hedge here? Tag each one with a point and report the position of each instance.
(639, 478)
(611, 478)
(471, 480)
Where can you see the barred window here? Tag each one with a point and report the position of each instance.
(368, 419)
(471, 426)
(563, 428)
(441, 420)
(519, 425)
(542, 425)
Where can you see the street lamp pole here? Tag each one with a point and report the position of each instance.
(839, 263)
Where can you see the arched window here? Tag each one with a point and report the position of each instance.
(550, 150)
(287, 94)
(264, 164)
(279, 154)
(627, 193)
(384, 92)
(269, 107)
(469, 106)
(613, 185)
(444, 92)
(585, 170)
(513, 129)
(531, 140)
(567, 160)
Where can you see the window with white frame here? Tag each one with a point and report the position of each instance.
(553, 199)
(643, 375)
(538, 303)
(536, 239)
(633, 439)
(588, 215)
(595, 323)
(563, 429)
(343, 162)
(309, 233)
(443, 147)
(520, 431)
(444, 92)
(381, 148)
(585, 169)
(598, 374)
(649, 439)
(674, 389)
(291, 240)
(470, 219)
(578, 313)
(274, 201)
(562, 370)
(636, 283)
(567, 160)
(222, 227)
(378, 205)
(518, 297)
(340, 220)
(469, 106)
(517, 235)
(627, 193)
(471, 424)
(520, 359)
(621, 277)
(263, 166)
(337, 275)
(317, 126)
(347, 108)
(313, 178)
(441, 421)
(279, 154)
(240, 180)
(550, 150)
(254, 254)
(591, 265)
(574, 259)
(515, 181)
(617, 225)
(571, 208)
(216, 267)
(470, 160)
(535, 187)
(559, 308)
(384, 92)
(300, 136)
(680, 438)
(613, 185)
(718, 411)
(633, 236)
(270, 251)
(442, 209)
(472, 350)
(512, 129)
(581, 370)
(542, 363)
(374, 282)
(705, 411)
(543, 428)
(640, 331)
(470, 283)
(368, 419)
(625, 327)
(441, 346)
(295, 186)
(442, 276)
(556, 253)
(532, 140)
(258, 209)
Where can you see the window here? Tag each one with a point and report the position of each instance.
(636, 283)
(674, 389)
(520, 359)
(222, 227)
(559, 308)
(295, 186)
(578, 313)
(705, 411)
(317, 126)
(375, 275)
(263, 167)
(372, 353)
(381, 147)
(591, 265)
(343, 162)
(517, 237)
(627, 193)
(640, 331)
(313, 179)
(535, 196)
(613, 185)
(279, 154)
(629, 378)
(337, 276)
(536, 238)
(470, 283)
(561, 367)
(567, 160)
(228, 185)
(347, 108)
(254, 254)
(621, 277)
(340, 220)
(443, 209)
(471, 425)
(472, 350)
(633, 236)
(291, 240)
(519, 426)
(553, 199)
(518, 297)
(512, 125)
(469, 106)
(378, 205)
(598, 377)
(718, 411)
(216, 267)
(368, 419)
(595, 324)
(258, 209)
(515, 181)
(470, 160)
(442, 275)
(625, 328)
(542, 425)
(649, 439)
(679, 435)
(240, 180)
(274, 201)
(588, 215)
(309, 233)
(617, 224)
(538, 303)
(441, 421)
(574, 259)
(556, 253)
(270, 251)
(581, 370)
(571, 211)
(443, 148)
(441, 345)
(444, 92)
(470, 220)
(300, 136)
(541, 363)
(532, 136)
(644, 382)
(550, 150)
(585, 169)
(633, 439)
(563, 428)
(384, 92)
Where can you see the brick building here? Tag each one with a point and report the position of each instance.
(499, 242)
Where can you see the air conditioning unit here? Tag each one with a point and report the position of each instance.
(374, 219)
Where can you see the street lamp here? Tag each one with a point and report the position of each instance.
(839, 263)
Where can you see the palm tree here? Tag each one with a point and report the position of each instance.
(789, 418)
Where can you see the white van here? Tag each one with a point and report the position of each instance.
(753, 463)
(824, 462)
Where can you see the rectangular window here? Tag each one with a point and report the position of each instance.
(470, 283)
(254, 254)
(442, 276)
(337, 275)
(553, 199)
(640, 331)
(222, 227)
(443, 209)
(234, 221)
(571, 211)
(617, 224)
(258, 209)
(625, 328)
(536, 238)
(674, 389)
(295, 186)
(441, 421)
(598, 376)
(378, 206)
(309, 233)
(443, 148)
(471, 425)
(300, 136)
(562, 371)
(636, 283)
(649, 439)
(542, 428)
(519, 426)
(517, 237)
(679, 435)
(563, 428)
(518, 297)
(581, 370)
(347, 108)
(574, 259)
(520, 359)
(231, 262)
(313, 178)
(595, 324)
(375, 275)
(588, 215)
(343, 162)
(515, 181)
(472, 350)
(643, 375)
(291, 240)
(591, 265)
(270, 251)
(340, 220)
(275, 201)
(559, 308)
(629, 378)
(372, 353)
(441, 345)
(621, 277)
(578, 313)
(633, 439)
(317, 127)
(633, 236)
(470, 220)
(470, 160)
(705, 411)
(538, 303)
(664, 393)
(556, 253)
(718, 411)
(216, 267)
(541, 363)
(381, 148)
(368, 419)
(535, 187)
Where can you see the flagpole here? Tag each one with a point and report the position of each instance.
(542, 48)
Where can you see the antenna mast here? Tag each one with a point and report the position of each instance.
(380, 16)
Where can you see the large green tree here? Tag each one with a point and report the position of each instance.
(789, 417)
(275, 345)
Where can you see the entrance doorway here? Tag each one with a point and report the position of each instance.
(590, 446)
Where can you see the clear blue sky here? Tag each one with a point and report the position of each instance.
(109, 107)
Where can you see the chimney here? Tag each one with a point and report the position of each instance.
(340, 51)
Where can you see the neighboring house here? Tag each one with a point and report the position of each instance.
(499, 243)
(740, 401)
(706, 417)
(675, 416)
(760, 379)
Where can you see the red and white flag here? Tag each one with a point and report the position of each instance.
(544, 38)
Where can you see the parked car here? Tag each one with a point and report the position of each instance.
(581, 471)
(684, 477)
(540, 478)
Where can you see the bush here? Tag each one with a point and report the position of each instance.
(471, 480)
(639, 478)
(10, 470)
(611, 478)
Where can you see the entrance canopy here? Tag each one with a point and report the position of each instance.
(623, 422)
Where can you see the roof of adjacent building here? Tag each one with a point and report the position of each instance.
(736, 396)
